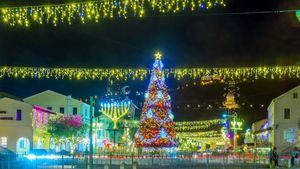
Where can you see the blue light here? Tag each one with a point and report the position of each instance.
(146, 95)
(171, 116)
(163, 133)
(224, 115)
(33, 157)
(30, 156)
(160, 95)
(149, 113)
(154, 78)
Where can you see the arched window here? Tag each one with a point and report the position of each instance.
(23, 145)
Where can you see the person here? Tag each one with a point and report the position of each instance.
(274, 157)
(294, 155)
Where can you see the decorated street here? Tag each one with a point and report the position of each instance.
(149, 84)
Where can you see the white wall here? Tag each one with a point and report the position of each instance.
(277, 121)
(13, 129)
(56, 101)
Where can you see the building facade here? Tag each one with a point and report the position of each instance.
(23, 126)
(261, 133)
(284, 120)
(60, 103)
(16, 132)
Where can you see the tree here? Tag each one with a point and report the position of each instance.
(70, 128)
(156, 123)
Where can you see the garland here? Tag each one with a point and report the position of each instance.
(237, 74)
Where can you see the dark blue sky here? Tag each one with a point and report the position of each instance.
(186, 41)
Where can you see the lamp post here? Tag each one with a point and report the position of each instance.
(93, 114)
(92, 102)
(235, 125)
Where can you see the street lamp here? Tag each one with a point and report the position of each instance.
(235, 125)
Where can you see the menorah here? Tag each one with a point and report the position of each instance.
(115, 110)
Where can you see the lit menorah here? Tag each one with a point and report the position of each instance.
(115, 110)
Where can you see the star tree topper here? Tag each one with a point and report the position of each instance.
(158, 55)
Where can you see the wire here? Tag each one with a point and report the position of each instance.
(230, 13)
(178, 15)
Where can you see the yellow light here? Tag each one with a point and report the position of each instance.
(239, 74)
(158, 55)
(115, 112)
(96, 10)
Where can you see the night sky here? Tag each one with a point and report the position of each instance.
(186, 40)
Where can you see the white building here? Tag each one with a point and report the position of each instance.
(60, 103)
(16, 132)
(67, 105)
(260, 133)
(284, 119)
(23, 126)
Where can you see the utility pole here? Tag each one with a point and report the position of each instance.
(92, 103)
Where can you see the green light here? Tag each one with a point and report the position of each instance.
(298, 15)
(236, 125)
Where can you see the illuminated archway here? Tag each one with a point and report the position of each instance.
(23, 145)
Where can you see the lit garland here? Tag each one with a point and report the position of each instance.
(40, 116)
(97, 10)
(238, 74)
(187, 140)
(196, 125)
(212, 133)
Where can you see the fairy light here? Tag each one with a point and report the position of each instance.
(97, 10)
(237, 74)
(205, 134)
(185, 126)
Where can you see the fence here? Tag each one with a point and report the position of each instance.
(146, 161)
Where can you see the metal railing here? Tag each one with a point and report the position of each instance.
(147, 161)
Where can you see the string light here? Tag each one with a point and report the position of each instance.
(97, 10)
(192, 140)
(185, 126)
(236, 74)
(40, 117)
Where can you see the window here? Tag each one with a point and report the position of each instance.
(3, 142)
(287, 113)
(85, 112)
(62, 110)
(74, 110)
(22, 144)
(19, 115)
(295, 95)
(49, 108)
(290, 135)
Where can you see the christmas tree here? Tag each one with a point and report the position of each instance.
(156, 123)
